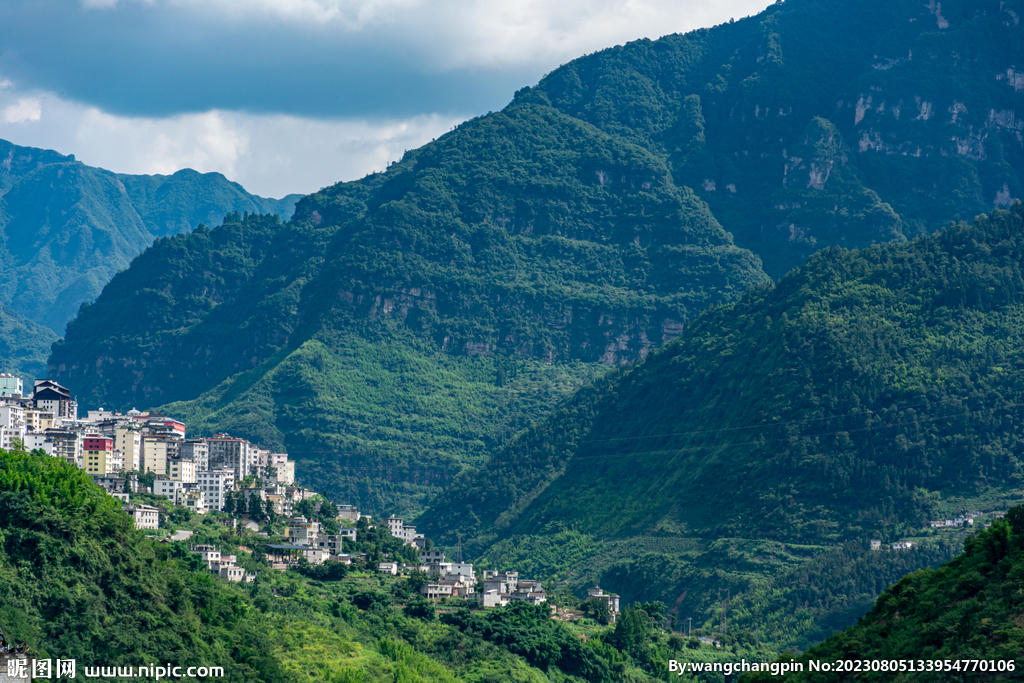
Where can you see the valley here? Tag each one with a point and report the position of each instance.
(728, 322)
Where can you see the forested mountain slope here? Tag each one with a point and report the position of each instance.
(79, 582)
(414, 310)
(968, 609)
(822, 122)
(859, 397)
(66, 228)
(24, 345)
(401, 325)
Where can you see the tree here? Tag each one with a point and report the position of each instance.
(420, 608)
(255, 507)
(630, 633)
(597, 610)
(229, 502)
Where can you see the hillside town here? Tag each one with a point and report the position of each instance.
(149, 453)
(146, 452)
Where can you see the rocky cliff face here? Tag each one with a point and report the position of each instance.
(924, 102)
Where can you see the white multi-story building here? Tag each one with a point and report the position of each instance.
(215, 485)
(348, 512)
(145, 516)
(428, 556)
(612, 599)
(182, 469)
(157, 449)
(51, 396)
(227, 452)
(10, 385)
(198, 451)
(407, 534)
(302, 531)
(335, 543)
(209, 553)
(129, 442)
(67, 445)
(38, 441)
(283, 467)
(12, 419)
(168, 488)
(191, 498)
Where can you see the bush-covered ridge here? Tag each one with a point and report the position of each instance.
(80, 583)
(968, 609)
(584, 221)
(858, 398)
(821, 122)
(401, 325)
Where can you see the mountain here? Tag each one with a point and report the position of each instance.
(822, 122)
(79, 582)
(24, 344)
(967, 609)
(586, 223)
(400, 325)
(67, 228)
(858, 398)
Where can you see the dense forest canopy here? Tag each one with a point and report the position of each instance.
(858, 398)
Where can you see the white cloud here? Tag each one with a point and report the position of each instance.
(351, 14)
(269, 155)
(206, 142)
(472, 33)
(23, 110)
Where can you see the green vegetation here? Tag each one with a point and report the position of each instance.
(387, 335)
(24, 345)
(401, 326)
(587, 222)
(820, 122)
(67, 228)
(858, 398)
(966, 609)
(79, 582)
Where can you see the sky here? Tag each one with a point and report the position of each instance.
(288, 96)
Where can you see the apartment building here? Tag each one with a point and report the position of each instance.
(215, 485)
(98, 454)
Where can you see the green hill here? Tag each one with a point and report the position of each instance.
(961, 621)
(401, 325)
(388, 334)
(858, 398)
(67, 228)
(822, 122)
(80, 583)
(24, 345)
